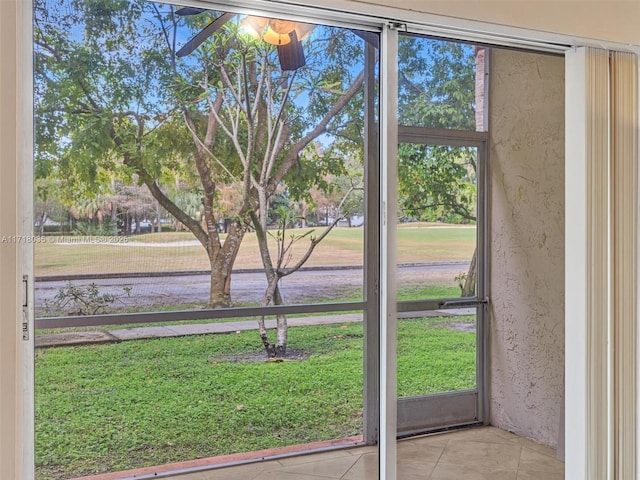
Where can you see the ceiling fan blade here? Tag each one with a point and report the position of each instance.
(189, 11)
(291, 55)
(203, 34)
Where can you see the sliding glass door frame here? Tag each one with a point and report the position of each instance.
(381, 420)
(387, 200)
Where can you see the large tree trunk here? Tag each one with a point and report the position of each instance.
(221, 259)
(221, 255)
(220, 286)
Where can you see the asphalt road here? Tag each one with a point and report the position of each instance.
(305, 286)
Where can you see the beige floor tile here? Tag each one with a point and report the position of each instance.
(532, 460)
(466, 472)
(486, 435)
(537, 447)
(435, 440)
(331, 467)
(533, 475)
(463, 434)
(280, 475)
(414, 470)
(189, 476)
(481, 454)
(366, 468)
(240, 472)
(495, 435)
(362, 450)
(419, 451)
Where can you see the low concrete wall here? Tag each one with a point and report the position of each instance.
(526, 127)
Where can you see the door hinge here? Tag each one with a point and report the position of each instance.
(25, 307)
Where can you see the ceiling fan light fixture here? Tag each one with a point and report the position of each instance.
(270, 36)
(291, 56)
(274, 31)
(284, 34)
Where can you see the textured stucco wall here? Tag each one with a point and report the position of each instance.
(526, 127)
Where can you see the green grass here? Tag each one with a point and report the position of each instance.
(432, 358)
(113, 407)
(417, 242)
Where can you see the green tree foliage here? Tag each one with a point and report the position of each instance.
(436, 83)
(437, 90)
(438, 183)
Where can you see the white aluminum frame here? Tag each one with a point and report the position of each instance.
(25, 142)
(387, 298)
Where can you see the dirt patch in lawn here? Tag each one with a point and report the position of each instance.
(461, 326)
(293, 355)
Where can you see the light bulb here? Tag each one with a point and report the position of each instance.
(274, 38)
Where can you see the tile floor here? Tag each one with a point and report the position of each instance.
(481, 453)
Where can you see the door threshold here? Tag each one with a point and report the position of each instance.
(209, 463)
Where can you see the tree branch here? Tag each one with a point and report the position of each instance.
(463, 212)
(316, 241)
(200, 145)
(212, 124)
(292, 154)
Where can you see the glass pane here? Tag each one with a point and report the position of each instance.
(437, 352)
(188, 158)
(441, 84)
(437, 204)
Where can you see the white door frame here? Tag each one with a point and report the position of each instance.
(16, 243)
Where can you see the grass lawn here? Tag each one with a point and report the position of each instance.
(113, 407)
(159, 252)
